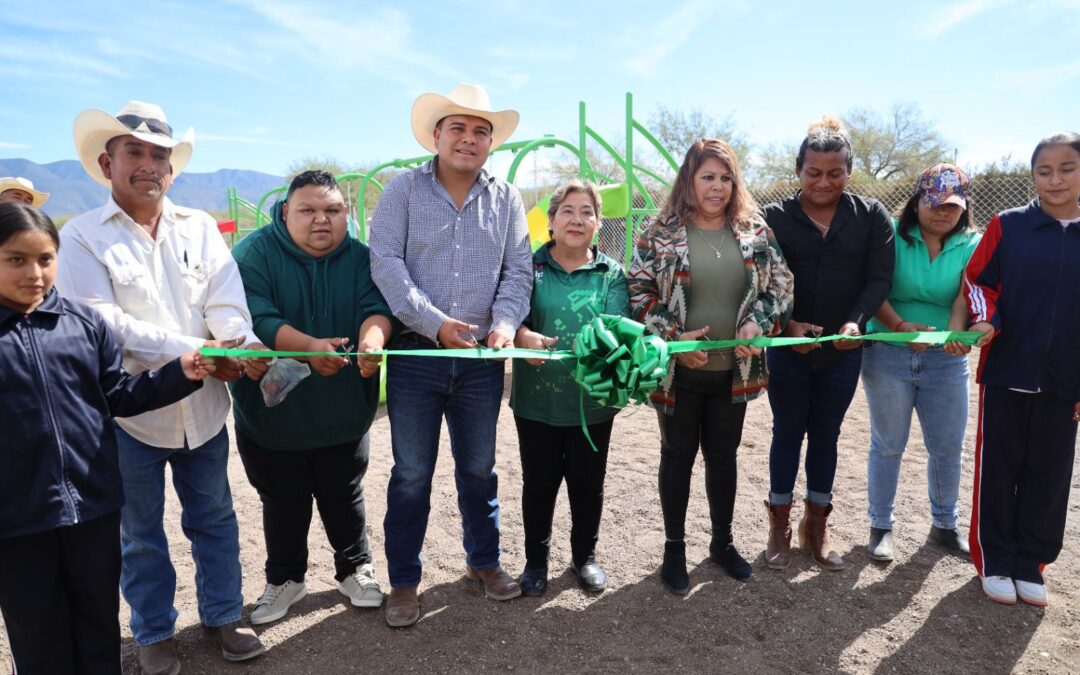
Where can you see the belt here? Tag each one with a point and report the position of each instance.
(417, 337)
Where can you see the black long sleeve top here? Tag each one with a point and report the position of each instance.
(840, 277)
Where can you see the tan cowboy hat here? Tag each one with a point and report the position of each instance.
(465, 99)
(20, 183)
(144, 121)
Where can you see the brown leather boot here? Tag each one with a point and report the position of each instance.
(814, 534)
(778, 550)
(497, 584)
(159, 658)
(402, 607)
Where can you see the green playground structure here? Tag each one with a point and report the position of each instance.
(627, 200)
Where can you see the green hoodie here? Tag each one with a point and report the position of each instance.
(324, 297)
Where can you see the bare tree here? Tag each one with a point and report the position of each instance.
(894, 146)
(337, 168)
(773, 165)
(678, 130)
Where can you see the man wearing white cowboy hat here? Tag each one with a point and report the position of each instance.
(19, 189)
(164, 280)
(450, 253)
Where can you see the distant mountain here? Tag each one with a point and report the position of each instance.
(71, 191)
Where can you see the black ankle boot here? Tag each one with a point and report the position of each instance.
(673, 572)
(734, 564)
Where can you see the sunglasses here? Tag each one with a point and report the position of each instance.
(155, 125)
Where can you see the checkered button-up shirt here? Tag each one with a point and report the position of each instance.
(433, 261)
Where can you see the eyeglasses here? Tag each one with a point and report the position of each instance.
(133, 122)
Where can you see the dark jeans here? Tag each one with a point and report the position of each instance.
(1024, 455)
(286, 481)
(60, 596)
(706, 417)
(811, 404)
(549, 454)
(420, 392)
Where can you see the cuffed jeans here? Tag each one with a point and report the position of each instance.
(201, 480)
(811, 404)
(419, 393)
(934, 384)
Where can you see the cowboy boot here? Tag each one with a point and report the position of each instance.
(814, 534)
(778, 550)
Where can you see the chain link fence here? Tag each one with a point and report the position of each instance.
(989, 195)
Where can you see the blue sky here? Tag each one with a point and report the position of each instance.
(265, 82)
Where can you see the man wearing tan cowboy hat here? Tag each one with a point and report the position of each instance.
(164, 280)
(19, 189)
(450, 253)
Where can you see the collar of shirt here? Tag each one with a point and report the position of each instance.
(543, 256)
(952, 242)
(483, 180)
(50, 305)
(844, 209)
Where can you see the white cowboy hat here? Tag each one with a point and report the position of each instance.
(144, 121)
(464, 99)
(20, 183)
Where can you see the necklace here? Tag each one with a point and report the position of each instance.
(717, 250)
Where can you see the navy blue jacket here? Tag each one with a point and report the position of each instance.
(61, 380)
(1024, 278)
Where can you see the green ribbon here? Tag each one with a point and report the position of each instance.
(615, 360)
(471, 353)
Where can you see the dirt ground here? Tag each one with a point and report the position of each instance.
(922, 613)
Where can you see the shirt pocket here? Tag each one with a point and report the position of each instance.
(131, 286)
(195, 285)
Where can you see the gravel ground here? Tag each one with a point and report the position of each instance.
(923, 613)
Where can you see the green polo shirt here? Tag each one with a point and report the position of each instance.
(562, 302)
(923, 290)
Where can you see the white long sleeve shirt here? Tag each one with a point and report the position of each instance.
(162, 297)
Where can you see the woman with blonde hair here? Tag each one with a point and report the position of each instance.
(740, 288)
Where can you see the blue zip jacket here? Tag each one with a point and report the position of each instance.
(61, 380)
(1024, 278)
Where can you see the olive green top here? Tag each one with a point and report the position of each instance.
(717, 287)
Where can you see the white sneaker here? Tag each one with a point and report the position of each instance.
(999, 589)
(361, 588)
(276, 601)
(1031, 593)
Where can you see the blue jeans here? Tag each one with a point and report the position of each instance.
(934, 384)
(811, 404)
(419, 393)
(201, 480)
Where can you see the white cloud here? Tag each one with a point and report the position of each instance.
(671, 34)
(381, 43)
(511, 78)
(956, 14)
(50, 60)
(6, 145)
(1041, 78)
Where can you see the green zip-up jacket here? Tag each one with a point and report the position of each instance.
(562, 302)
(323, 297)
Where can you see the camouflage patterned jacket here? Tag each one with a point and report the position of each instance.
(659, 284)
